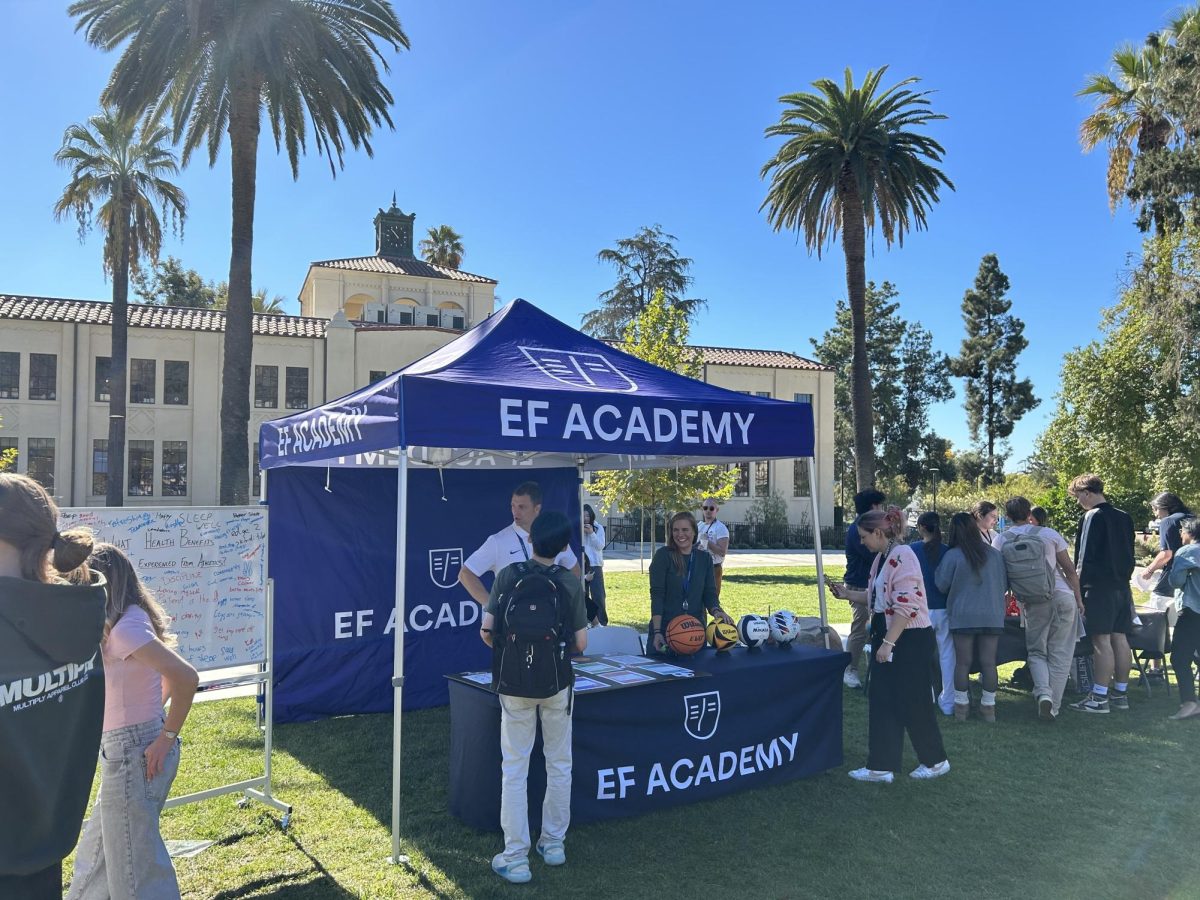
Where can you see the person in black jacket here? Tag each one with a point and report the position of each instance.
(51, 689)
(1104, 559)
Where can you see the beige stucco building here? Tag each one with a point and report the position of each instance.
(362, 318)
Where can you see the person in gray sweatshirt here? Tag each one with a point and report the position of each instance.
(972, 576)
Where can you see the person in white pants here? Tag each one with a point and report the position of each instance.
(549, 534)
(929, 550)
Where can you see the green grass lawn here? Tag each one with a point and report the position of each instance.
(1091, 807)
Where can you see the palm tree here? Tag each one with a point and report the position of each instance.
(849, 160)
(1129, 110)
(311, 67)
(443, 247)
(121, 167)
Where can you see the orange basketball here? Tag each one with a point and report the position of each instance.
(685, 635)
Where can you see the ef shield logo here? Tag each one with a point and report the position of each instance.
(701, 712)
(444, 566)
(582, 370)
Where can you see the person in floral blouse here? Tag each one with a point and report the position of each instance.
(900, 692)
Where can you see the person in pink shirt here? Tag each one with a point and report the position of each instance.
(121, 853)
(900, 691)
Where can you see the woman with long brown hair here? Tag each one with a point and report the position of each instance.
(50, 670)
(972, 576)
(682, 581)
(121, 853)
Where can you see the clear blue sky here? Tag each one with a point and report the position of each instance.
(544, 131)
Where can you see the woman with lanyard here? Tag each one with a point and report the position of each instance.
(900, 692)
(682, 582)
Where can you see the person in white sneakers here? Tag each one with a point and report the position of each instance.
(713, 536)
(900, 694)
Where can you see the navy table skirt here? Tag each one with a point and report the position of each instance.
(762, 717)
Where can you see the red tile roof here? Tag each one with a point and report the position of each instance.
(391, 265)
(97, 312)
(771, 359)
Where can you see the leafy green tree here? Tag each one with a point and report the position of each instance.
(8, 458)
(169, 283)
(849, 161)
(659, 335)
(907, 375)
(995, 398)
(120, 171)
(443, 246)
(646, 264)
(1128, 406)
(310, 67)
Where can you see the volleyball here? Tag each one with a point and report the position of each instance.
(753, 630)
(721, 635)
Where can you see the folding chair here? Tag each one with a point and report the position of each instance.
(1149, 641)
(613, 639)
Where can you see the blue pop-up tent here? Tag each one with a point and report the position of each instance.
(524, 387)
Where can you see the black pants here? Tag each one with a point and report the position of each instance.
(43, 885)
(1184, 645)
(901, 697)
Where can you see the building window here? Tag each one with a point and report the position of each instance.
(766, 394)
(803, 398)
(141, 469)
(741, 487)
(295, 387)
(99, 468)
(459, 323)
(43, 376)
(800, 487)
(433, 319)
(255, 473)
(174, 468)
(10, 376)
(377, 375)
(6, 444)
(39, 462)
(142, 375)
(762, 478)
(103, 379)
(406, 317)
(175, 382)
(266, 387)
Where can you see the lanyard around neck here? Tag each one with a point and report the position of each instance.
(687, 578)
(524, 549)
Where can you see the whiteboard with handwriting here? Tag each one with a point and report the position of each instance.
(206, 565)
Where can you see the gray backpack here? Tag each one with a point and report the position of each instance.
(1030, 577)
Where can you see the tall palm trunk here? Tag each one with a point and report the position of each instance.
(854, 245)
(235, 374)
(118, 366)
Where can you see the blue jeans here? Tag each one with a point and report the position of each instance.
(121, 854)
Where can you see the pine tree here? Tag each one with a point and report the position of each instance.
(995, 398)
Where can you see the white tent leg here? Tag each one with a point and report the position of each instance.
(816, 519)
(398, 664)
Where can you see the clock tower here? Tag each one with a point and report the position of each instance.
(394, 233)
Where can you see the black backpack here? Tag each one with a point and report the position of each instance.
(529, 654)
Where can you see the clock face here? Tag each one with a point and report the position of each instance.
(392, 232)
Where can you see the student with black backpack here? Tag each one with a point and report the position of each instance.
(534, 620)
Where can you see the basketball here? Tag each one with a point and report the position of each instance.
(753, 630)
(685, 635)
(783, 626)
(721, 635)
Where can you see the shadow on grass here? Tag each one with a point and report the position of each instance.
(732, 577)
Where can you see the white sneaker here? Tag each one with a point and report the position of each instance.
(850, 679)
(865, 774)
(935, 771)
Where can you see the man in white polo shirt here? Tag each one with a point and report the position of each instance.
(713, 537)
(510, 544)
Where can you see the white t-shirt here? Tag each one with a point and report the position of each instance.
(710, 533)
(1051, 540)
(593, 545)
(507, 546)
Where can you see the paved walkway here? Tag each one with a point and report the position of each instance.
(629, 560)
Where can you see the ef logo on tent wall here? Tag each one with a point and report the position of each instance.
(583, 370)
(701, 712)
(444, 566)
